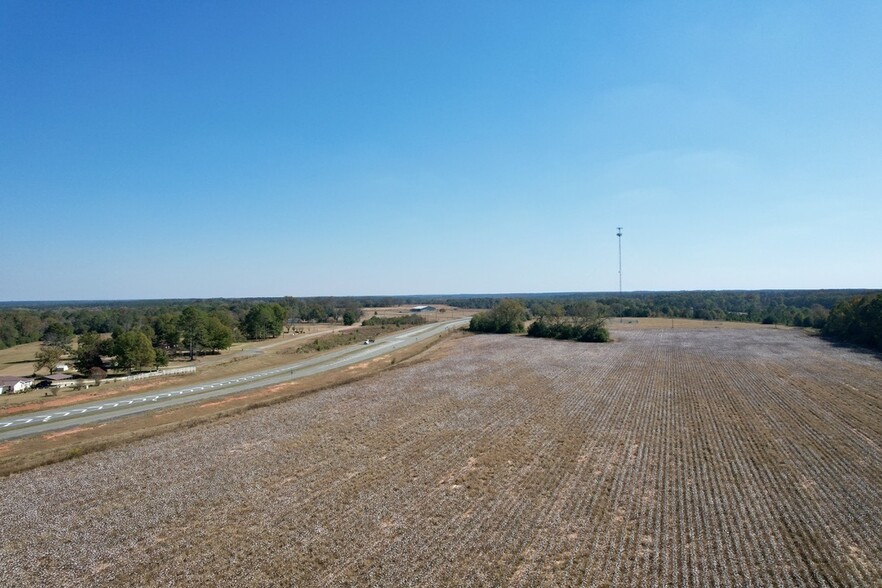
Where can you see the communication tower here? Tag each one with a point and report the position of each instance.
(619, 235)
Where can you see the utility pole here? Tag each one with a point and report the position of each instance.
(619, 235)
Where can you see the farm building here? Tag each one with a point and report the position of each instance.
(14, 385)
(58, 380)
(422, 309)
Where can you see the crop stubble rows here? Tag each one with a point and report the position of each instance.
(681, 458)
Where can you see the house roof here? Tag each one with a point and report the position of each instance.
(12, 380)
(56, 377)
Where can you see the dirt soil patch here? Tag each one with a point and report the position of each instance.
(668, 458)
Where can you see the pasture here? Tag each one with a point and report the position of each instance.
(667, 458)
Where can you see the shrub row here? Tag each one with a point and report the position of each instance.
(507, 317)
(589, 332)
(398, 321)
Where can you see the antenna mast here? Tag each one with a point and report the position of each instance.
(619, 235)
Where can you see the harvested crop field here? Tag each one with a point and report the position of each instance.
(670, 457)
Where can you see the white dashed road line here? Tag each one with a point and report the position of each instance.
(346, 356)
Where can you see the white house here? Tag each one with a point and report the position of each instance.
(422, 309)
(14, 384)
(61, 367)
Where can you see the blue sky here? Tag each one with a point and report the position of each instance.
(219, 149)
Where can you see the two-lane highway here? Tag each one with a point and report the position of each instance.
(84, 414)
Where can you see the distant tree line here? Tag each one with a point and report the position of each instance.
(803, 308)
(852, 319)
(247, 318)
(857, 320)
(146, 335)
(27, 322)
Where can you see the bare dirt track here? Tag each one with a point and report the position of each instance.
(670, 457)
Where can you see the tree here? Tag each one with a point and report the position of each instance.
(167, 332)
(279, 315)
(857, 321)
(351, 314)
(161, 358)
(217, 335)
(256, 323)
(89, 350)
(263, 320)
(313, 311)
(507, 317)
(593, 332)
(8, 332)
(47, 356)
(510, 315)
(58, 334)
(132, 351)
(56, 339)
(588, 329)
(192, 327)
(97, 374)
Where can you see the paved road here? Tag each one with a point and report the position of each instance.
(21, 425)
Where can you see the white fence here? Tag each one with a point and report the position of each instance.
(69, 383)
(86, 383)
(158, 373)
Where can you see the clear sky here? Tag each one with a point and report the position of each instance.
(219, 149)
